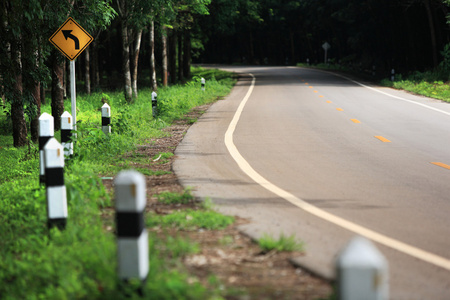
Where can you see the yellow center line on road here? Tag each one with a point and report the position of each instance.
(339, 109)
(329, 101)
(383, 139)
(244, 165)
(441, 165)
(355, 121)
(316, 91)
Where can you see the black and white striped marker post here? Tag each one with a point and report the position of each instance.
(203, 81)
(106, 119)
(54, 180)
(154, 104)
(46, 132)
(132, 236)
(66, 133)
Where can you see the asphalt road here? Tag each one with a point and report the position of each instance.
(326, 158)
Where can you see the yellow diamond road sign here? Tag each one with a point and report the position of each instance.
(71, 39)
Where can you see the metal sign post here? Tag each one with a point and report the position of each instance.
(326, 47)
(73, 95)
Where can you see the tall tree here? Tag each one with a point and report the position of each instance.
(152, 56)
(24, 22)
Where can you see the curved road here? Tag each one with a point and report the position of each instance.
(326, 158)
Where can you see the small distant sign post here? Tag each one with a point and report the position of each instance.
(326, 47)
(71, 39)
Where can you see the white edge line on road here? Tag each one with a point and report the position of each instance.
(389, 95)
(370, 234)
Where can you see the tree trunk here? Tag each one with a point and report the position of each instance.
(34, 126)
(17, 113)
(36, 96)
(180, 57)
(126, 62)
(87, 76)
(135, 56)
(42, 94)
(95, 65)
(164, 55)
(152, 56)
(432, 32)
(187, 55)
(57, 89)
(173, 56)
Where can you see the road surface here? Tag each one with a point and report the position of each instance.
(318, 155)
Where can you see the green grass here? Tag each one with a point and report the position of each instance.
(283, 243)
(435, 89)
(80, 261)
(175, 198)
(191, 220)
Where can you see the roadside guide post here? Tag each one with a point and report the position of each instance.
(203, 83)
(326, 47)
(154, 104)
(132, 236)
(66, 133)
(54, 181)
(46, 132)
(362, 272)
(106, 119)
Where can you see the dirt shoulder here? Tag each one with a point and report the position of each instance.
(239, 264)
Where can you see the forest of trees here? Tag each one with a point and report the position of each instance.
(402, 34)
(158, 39)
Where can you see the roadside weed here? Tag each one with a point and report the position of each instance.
(191, 220)
(175, 198)
(283, 243)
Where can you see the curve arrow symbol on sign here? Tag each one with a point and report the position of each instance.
(68, 34)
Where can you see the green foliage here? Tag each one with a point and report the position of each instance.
(176, 198)
(445, 64)
(428, 84)
(191, 220)
(268, 243)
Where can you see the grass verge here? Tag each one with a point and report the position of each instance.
(80, 261)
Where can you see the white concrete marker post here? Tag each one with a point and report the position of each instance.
(362, 272)
(54, 180)
(203, 81)
(66, 133)
(46, 132)
(132, 237)
(154, 104)
(106, 119)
